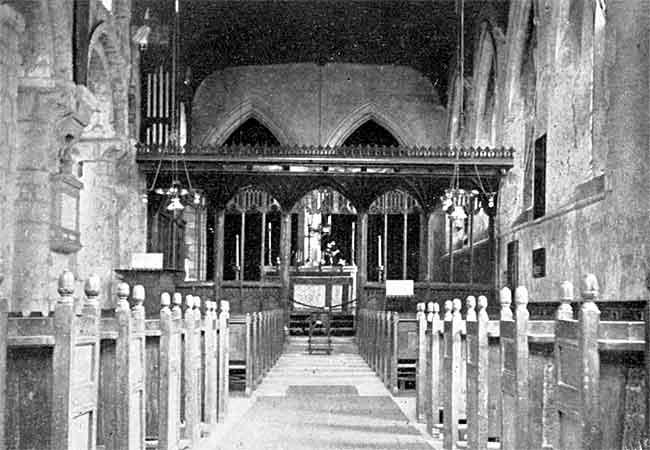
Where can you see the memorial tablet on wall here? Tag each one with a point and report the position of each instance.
(64, 225)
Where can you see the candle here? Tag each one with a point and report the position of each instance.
(354, 227)
(379, 258)
(270, 261)
(237, 250)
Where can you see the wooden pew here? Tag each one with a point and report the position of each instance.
(550, 375)
(223, 363)
(421, 366)
(255, 343)
(452, 362)
(577, 363)
(434, 353)
(403, 362)
(121, 412)
(476, 323)
(240, 352)
(113, 381)
(56, 360)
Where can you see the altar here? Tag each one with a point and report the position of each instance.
(331, 286)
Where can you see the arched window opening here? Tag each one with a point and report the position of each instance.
(528, 92)
(251, 235)
(394, 237)
(371, 133)
(100, 84)
(252, 132)
(600, 94)
(487, 116)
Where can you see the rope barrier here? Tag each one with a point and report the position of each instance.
(323, 308)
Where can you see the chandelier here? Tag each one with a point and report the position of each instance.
(176, 194)
(458, 202)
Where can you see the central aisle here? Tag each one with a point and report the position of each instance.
(322, 402)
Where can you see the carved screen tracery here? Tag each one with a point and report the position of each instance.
(252, 200)
(395, 202)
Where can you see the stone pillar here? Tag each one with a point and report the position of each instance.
(36, 141)
(11, 27)
(361, 240)
(98, 219)
(285, 257)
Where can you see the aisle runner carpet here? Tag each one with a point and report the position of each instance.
(323, 417)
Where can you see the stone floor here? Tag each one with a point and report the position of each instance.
(320, 402)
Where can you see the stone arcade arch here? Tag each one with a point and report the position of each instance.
(371, 133)
(485, 89)
(249, 108)
(107, 79)
(252, 132)
(361, 115)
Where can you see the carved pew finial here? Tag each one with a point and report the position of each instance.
(589, 293)
(521, 296)
(565, 310)
(66, 287)
(197, 307)
(457, 305)
(590, 288)
(139, 296)
(123, 291)
(189, 305)
(177, 301)
(482, 307)
(430, 311)
(471, 308)
(165, 302)
(92, 287)
(506, 301)
(448, 306)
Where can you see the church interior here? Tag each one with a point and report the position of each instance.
(328, 224)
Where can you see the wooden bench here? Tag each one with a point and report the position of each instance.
(404, 351)
(255, 343)
(112, 379)
(534, 383)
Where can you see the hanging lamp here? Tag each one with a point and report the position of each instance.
(458, 202)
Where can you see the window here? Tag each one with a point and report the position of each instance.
(539, 263)
(539, 178)
(80, 40)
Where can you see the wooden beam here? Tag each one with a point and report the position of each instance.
(218, 250)
(362, 255)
